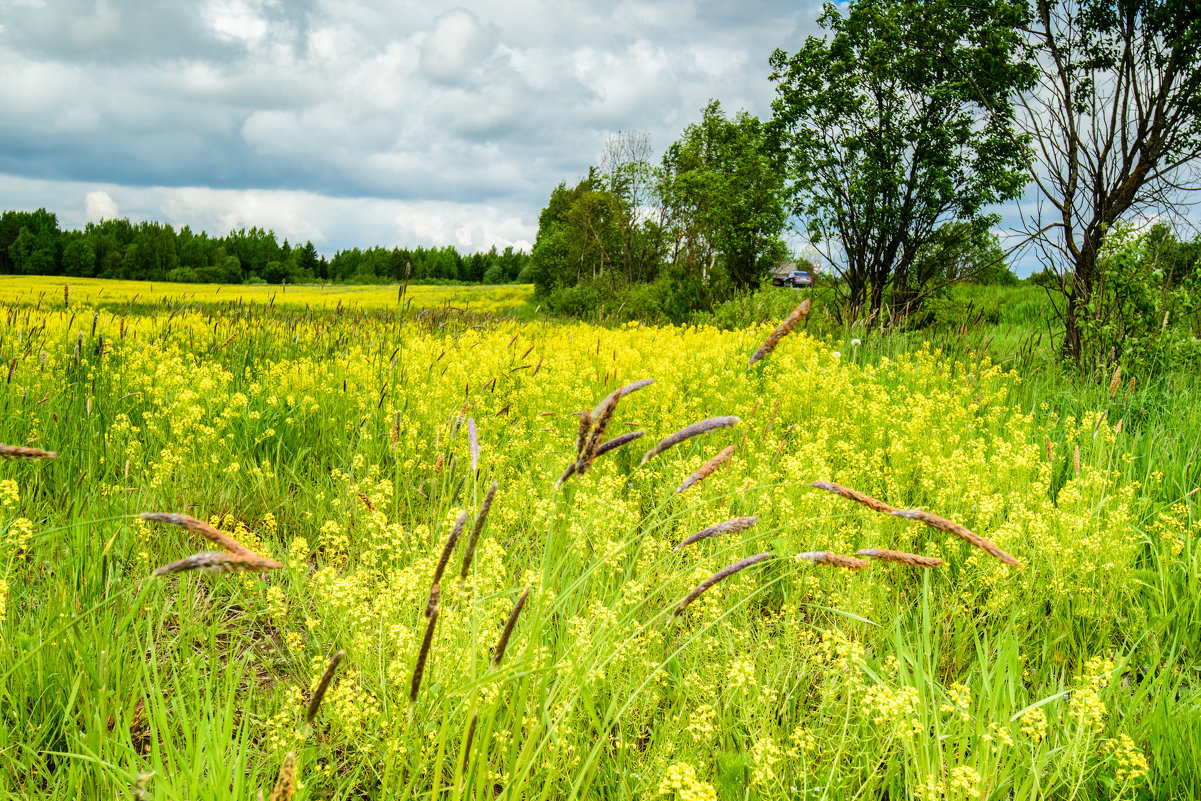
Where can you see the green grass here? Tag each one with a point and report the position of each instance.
(787, 680)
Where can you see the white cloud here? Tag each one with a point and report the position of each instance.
(456, 47)
(99, 206)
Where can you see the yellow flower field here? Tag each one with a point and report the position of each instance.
(338, 442)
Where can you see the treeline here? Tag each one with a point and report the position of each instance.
(31, 243)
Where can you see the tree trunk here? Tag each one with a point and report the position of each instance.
(1079, 294)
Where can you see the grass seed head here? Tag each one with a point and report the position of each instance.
(424, 652)
(790, 322)
(455, 533)
(194, 526)
(498, 653)
(885, 555)
(720, 575)
(707, 469)
(688, 432)
(833, 560)
(19, 452)
(733, 524)
(474, 442)
(323, 685)
(857, 497)
(942, 524)
(285, 783)
(476, 530)
(219, 562)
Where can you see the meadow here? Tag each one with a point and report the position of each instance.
(353, 441)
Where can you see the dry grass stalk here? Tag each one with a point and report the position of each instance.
(455, 533)
(1118, 428)
(598, 430)
(734, 524)
(601, 450)
(498, 653)
(688, 432)
(724, 573)
(423, 653)
(833, 560)
(194, 526)
(219, 562)
(475, 718)
(285, 783)
(322, 686)
(19, 452)
(707, 469)
(885, 555)
(791, 322)
(474, 441)
(857, 497)
(366, 501)
(1076, 459)
(1115, 382)
(621, 392)
(476, 530)
(581, 438)
(395, 432)
(942, 524)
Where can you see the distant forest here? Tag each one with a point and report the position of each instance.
(31, 243)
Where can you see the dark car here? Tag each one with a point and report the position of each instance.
(796, 278)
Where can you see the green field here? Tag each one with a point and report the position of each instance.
(331, 431)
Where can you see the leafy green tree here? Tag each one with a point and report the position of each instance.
(79, 258)
(898, 121)
(724, 198)
(579, 235)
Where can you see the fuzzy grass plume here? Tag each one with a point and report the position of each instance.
(942, 524)
(498, 653)
(601, 450)
(194, 526)
(620, 393)
(833, 560)
(19, 452)
(885, 555)
(473, 441)
(322, 686)
(688, 432)
(455, 533)
(285, 783)
(431, 612)
(733, 524)
(857, 497)
(720, 575)
(219, 562)
(598, 431)
(707, 469)
(790, 322)
(476, 530)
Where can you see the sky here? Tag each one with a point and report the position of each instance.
(357, 122)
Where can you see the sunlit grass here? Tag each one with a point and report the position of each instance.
(335, 442)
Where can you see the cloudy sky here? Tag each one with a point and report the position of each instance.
(357, 122)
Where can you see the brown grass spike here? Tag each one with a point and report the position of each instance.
(219, 562)
(857, 497)
(885, 555)
(498, 653)
(773, 339)
(323, 685)
(598, 430)
(833, 560)
(706, 469)
(455, 533)
(424, 652)
(733, 524)
(285, 784)
(19, 452)
(942, 524)
(194, 526)
(474, 442)
(621, 392)
(476, 530)
(724, 573)
(688, 432)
